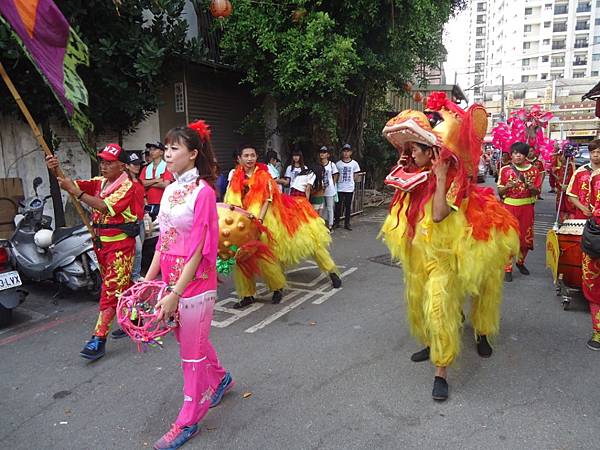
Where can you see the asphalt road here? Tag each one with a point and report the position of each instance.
(321, 370)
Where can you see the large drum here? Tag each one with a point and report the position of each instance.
(570, 257)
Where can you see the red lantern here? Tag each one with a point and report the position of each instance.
(221, 8)
(408, 86)
(418, 97)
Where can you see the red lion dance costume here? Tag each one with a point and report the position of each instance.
(465, 253)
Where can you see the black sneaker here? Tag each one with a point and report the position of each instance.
(523, 269)
(508, 277)
(420, 356)
(335, 280)
(93, 349)
(594, 342)
(244, 302)
(118, 334)
(348, 227)
(277, 296)
(484, 349)
(335, 225)
(440, 389)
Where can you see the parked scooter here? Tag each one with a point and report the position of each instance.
(12, 293)
(65, 255)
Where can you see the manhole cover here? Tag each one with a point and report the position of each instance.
(384, 259)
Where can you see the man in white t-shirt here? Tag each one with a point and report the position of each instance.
(330, 177)
(272, 161)
(347, 169)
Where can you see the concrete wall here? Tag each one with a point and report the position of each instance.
(147, 131)
(21, 156)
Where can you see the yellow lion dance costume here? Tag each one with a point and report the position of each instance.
(294, 231)
(464, 254)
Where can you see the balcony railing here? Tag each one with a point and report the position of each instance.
(559, 27)
(557, 64)
(581, 44)
(558, 45)
(584, 8)
(580, 62)
(561, 10)
(580, 27)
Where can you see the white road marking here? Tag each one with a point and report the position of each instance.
(320, 292)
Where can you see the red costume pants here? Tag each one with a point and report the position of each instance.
(525, 216)
(116, 263)
(591, 287)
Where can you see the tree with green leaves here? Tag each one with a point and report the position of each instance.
(327, 62)
(132, 46)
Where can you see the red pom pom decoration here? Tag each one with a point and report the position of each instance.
(202, 128)
(436, 101)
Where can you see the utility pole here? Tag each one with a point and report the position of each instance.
(502, 116)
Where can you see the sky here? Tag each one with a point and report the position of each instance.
(455, 41)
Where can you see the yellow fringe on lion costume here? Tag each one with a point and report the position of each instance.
(295, 230)
(464, 254)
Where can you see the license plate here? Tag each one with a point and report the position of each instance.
(9, 280)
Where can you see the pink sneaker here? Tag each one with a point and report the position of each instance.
(176, 437)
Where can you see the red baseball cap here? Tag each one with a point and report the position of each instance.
(113, 152)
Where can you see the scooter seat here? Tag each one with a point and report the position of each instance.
(63, 233)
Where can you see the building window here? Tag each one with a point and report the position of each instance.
(557, 45)
(544, 76)
(560, 27)
(527, 28)
(596, 57)
(597, 3)
(478, 55)
(578, 74)
(581, 42)
(546, 42)
(547, 24)
(596, 40)
(526, 45)
(580, 61)
(524, 78)
(480, 19)
(584, 7)
(525, 62)
(597, 22)
(477, 91)
(481, 7)
(545, 58)
(179, 98)
(594, 73)
(528, 11)
(561, 9)
(548, 6)
(479, 31)
(479, 43)
(557, 61)
(583, 25)
(478, 67)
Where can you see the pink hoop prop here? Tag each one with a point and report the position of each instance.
(136, 313)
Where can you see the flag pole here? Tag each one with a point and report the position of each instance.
(38, 135)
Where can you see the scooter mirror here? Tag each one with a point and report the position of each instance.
(37, 181)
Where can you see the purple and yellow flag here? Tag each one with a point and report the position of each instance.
(55, 50)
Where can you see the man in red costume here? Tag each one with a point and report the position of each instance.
(578, 191)
(590, 206)
(111, 197)
(563, 206)
(519, 184)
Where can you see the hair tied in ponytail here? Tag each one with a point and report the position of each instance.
(202, 128)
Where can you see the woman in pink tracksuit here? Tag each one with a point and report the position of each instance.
(186, 259)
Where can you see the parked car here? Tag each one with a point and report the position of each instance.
(583, 156)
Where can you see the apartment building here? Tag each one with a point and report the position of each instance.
(532, 40)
